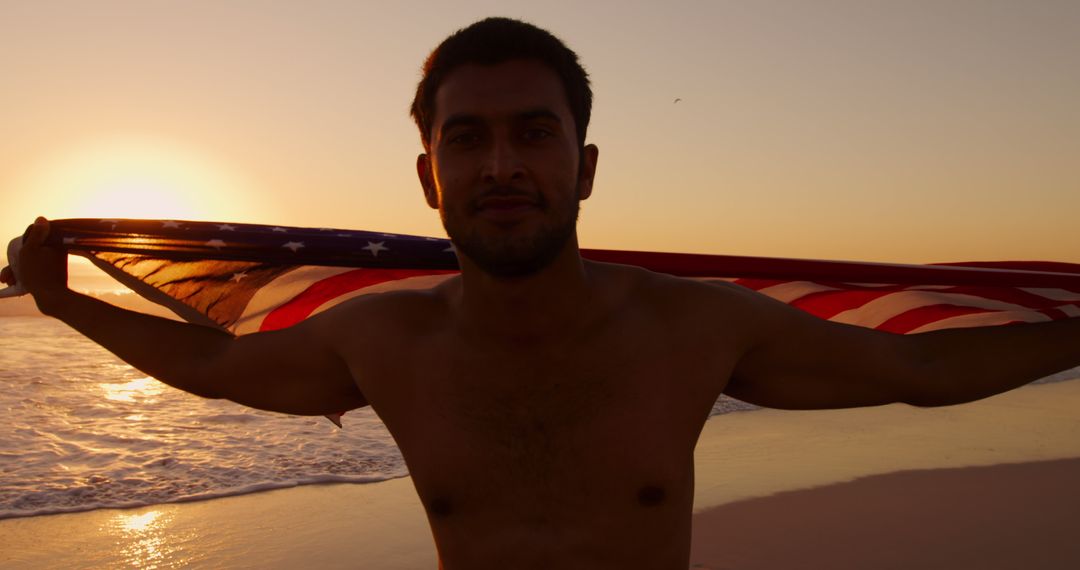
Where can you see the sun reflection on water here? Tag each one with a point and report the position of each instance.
(138, 523)
(143, 539)
(151, 538)
(143, 389)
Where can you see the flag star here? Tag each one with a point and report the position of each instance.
(238, 276)
(450, 248)
(216, 243)
(279, 230)
(375, 247)
(293, 245)
(170, 224)
(226, 227)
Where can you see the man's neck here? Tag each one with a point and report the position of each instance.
(543, 305)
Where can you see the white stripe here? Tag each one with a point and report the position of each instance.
(983, 320)
(876, 312)
(280, 291)
(1070, 310)
(794, 290)
(785, 292)
(1055, 294)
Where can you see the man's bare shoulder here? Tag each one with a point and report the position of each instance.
(668, 292)
(385, 314)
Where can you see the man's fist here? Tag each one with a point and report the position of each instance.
(41, 269)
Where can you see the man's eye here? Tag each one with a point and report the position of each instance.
(537, 134)
(463, 139)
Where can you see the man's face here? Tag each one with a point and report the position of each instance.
(503, 168)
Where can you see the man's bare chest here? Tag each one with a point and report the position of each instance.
(613, 420)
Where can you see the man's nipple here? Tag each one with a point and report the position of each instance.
(651, 495)
(440, 507)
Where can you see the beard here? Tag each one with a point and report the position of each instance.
(518, 255)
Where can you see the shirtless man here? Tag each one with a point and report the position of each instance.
(547, 407)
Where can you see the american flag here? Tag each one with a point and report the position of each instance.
(244, 278)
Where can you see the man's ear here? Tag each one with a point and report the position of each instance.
(427, 181)
(587, 172)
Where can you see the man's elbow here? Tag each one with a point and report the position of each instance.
(210, 376)
(918, 378)
(930, 401)
(194, 382)
(935, 390)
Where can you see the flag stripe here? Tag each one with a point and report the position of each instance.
(988, 319)
(827, 304)
(272, 295)
(910, 320)
(319, 293)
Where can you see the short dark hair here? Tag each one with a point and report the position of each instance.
(497, 40)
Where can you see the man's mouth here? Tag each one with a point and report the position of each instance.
(504, 208)
(505, 203)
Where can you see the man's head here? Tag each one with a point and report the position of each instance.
(506, 163)
(498, 40)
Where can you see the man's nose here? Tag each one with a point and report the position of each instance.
(503, 163)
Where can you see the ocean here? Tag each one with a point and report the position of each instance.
(81, 430)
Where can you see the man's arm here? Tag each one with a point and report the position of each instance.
(797, 361)
(296, 370)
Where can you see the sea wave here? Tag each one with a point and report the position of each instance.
(84, 431)
(128, 495)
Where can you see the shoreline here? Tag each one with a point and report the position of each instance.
(769, 464)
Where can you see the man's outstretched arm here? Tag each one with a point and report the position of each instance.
(295, 370)
(798, 361)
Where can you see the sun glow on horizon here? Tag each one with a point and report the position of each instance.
(134, 177)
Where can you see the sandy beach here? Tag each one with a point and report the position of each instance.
(1022, 515)
(985, 485)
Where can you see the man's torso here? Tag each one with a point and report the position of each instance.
(544, 452)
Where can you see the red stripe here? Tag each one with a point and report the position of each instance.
(827, 304)
(301, 306)
(1054, 313)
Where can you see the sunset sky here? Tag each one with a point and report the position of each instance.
(915, 131)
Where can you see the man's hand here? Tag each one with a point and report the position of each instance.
(42, 269)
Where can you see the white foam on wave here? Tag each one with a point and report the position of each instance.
(81, 500)
(84, 431)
